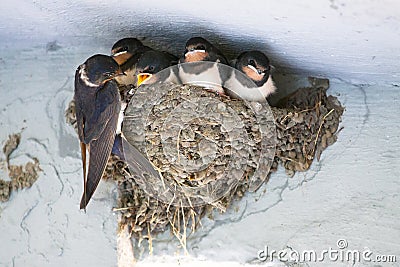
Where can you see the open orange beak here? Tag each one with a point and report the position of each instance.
(142, 77)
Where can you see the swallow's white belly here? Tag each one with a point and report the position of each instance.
(210, 78)
(121, 117)
(258, 94)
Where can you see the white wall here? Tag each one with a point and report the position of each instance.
(352, 193)
(358, 41)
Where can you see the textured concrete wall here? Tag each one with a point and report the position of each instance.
(358, 41)
(352, 193)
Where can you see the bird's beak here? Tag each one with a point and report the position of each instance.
(142, 77)
(119, 72)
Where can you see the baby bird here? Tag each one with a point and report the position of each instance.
(126, 52)
(256, 66)
(203, 69)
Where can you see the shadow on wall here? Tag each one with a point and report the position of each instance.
(171, 35)
(161, 26)
(169, 31)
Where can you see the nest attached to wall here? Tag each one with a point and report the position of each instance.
(306, 123)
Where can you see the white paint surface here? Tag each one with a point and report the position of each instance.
(353, 193)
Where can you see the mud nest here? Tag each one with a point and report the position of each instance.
(306, 122)
(21, 176)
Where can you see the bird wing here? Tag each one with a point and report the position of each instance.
(80, 120)
(131, 62)
(222, 59)
(109, 104)
(139, 164)
(172, 58)
(232, 62)
(79, 106)
(225, 73)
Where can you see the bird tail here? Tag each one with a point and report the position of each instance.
(99, 152)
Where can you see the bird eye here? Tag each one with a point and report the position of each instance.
(252, 62)
(259, 71)
(151, 68)
(125, 48)
(201, 47)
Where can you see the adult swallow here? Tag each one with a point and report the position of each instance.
(152, 62)
(256, 66)
(97, 108)
(126, 53)
(197, 51)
